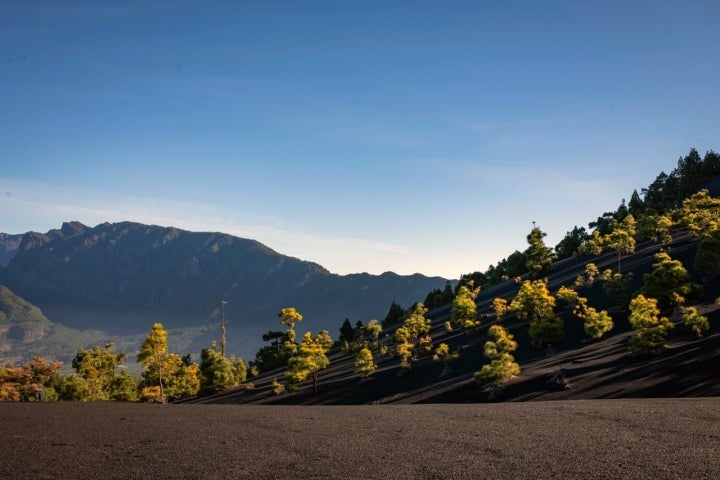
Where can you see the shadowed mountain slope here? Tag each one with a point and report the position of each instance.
(121, 278)
(9, 245)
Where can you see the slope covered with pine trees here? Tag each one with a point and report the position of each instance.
(631, 312)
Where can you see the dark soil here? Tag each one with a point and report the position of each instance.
(644, 438)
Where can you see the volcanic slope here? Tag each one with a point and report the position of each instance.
(688, 366)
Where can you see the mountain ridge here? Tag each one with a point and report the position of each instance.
(122, 277)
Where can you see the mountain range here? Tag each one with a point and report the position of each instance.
(120, 278)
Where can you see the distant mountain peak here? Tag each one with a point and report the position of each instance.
(125, 276)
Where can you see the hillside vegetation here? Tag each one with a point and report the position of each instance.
(631, 311)
(621, 316)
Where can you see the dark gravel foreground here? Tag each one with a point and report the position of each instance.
(645, 438)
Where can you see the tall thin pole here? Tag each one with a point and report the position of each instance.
(222, 329)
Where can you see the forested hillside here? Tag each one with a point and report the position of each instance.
(627, 308)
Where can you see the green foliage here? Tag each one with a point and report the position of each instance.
(277, 387)
(464, 308)
(538, 257)
(413, 337)
(181, 380)
(690, 173)
(498, 371)
(587, 278)
(471, 280)
(636, 206)
(700, 213)
(500, 307)
(404, 349)
(655, 227)
(347, 332)
(667, 281)
(513, 266)
(374, 328)
(124, 388)
(567, 295)
(535, 303)
(416, 323)
(502, 364)
(603, 224)
(152, 353)
(217, 372)
(240, 368)
(614, 230)
(289, 317)
(707, 258)
(545, 332)
(274, 355)
(394, 316)
(596, 324)
(651, 329)
(74, 388)
(98, 367)
(622, 237)
(593, 245)
(696, 323)
(359, 332)
(445, 355)
(569, 246)
(311, 358)
(364, 364)
(438, 298)
(616, 286)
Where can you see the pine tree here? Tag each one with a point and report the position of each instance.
(696, 323)
(502, 364)
(98, 367)
(217, 372)
(346, 332)
(364, 364)
(289, 317)
(533, 301)
(651, 329)
(622, 237)
(667, 282)
(464, 308)
(445, 355)
(153, 352)
(310, 359)
(538, 257)
(374, 328)
(394, 316)
(500, 307)
(596, 324)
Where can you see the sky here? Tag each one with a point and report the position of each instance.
(406, 136)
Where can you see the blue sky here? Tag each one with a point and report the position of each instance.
(365, 136)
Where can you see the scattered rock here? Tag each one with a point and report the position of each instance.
(558, 380)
